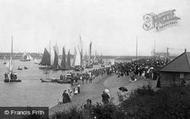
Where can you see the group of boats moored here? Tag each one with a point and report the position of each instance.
(76, 64)
(63, 79)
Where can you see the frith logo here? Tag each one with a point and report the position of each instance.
(159, 21)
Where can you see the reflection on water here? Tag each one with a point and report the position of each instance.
(30, 92)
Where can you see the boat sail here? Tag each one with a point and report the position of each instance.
(26, 57)
(90, 51)
(89, 62)
(9, 65)
(56, 58)
(68, 60)
(63, 61)
(46, 58)
(77, 58)
(74, 58)
(13, 76)
(81, 51)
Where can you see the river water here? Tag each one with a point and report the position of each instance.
(30, 92)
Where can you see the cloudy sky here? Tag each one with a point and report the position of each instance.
(112, 25)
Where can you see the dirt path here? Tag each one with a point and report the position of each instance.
(94, 90)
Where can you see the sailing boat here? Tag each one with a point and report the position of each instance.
(11, 76)
(74, 58)
(55, 65)
(46, 60)
(79, 57)
(81, 52)
(89, 64)
(36, 61)
(69, 60)
(63, 61)
(26, 57)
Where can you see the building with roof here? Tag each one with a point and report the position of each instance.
(176, 71)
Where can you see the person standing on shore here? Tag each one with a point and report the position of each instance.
(86, 78)
(105, 97)
(90, 80)
(66, 97)
(82, 79)
(75, 91)
(78, 87)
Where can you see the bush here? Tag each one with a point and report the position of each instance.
(73, 113)
(109, 111)
(167, 103)
(97, 111)
(145, 90)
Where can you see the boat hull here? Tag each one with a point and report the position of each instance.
(55, 81)
(45, 68)
(45, 80)
(8, 81)
(63, 81)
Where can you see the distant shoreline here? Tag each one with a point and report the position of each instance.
(18, 55)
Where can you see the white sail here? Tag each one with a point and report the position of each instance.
(77, 58)
(30, 57)
(52, 55)
(56, 56)
(36, 61)
(74, 58)
(27, 57)
(9, 66)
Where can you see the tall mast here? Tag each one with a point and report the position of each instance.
(90, 51)
(81, 50)
(11, 45)
(136, 48)
(154, 47)
(11, 54)
(50, 47)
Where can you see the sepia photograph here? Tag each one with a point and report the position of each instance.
(94, 59)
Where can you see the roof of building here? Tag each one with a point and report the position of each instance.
(179, 64)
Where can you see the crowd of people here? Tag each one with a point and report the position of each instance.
(147, 68)
(82, 78)
(10, 76)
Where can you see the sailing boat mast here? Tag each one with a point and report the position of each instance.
(63, 61)
(154, 52)
(81, 51)
(56, 57)
(136, 48)
(74, 58)
(11, 54)
(68, 60)
(90, 51)
(50, 50)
